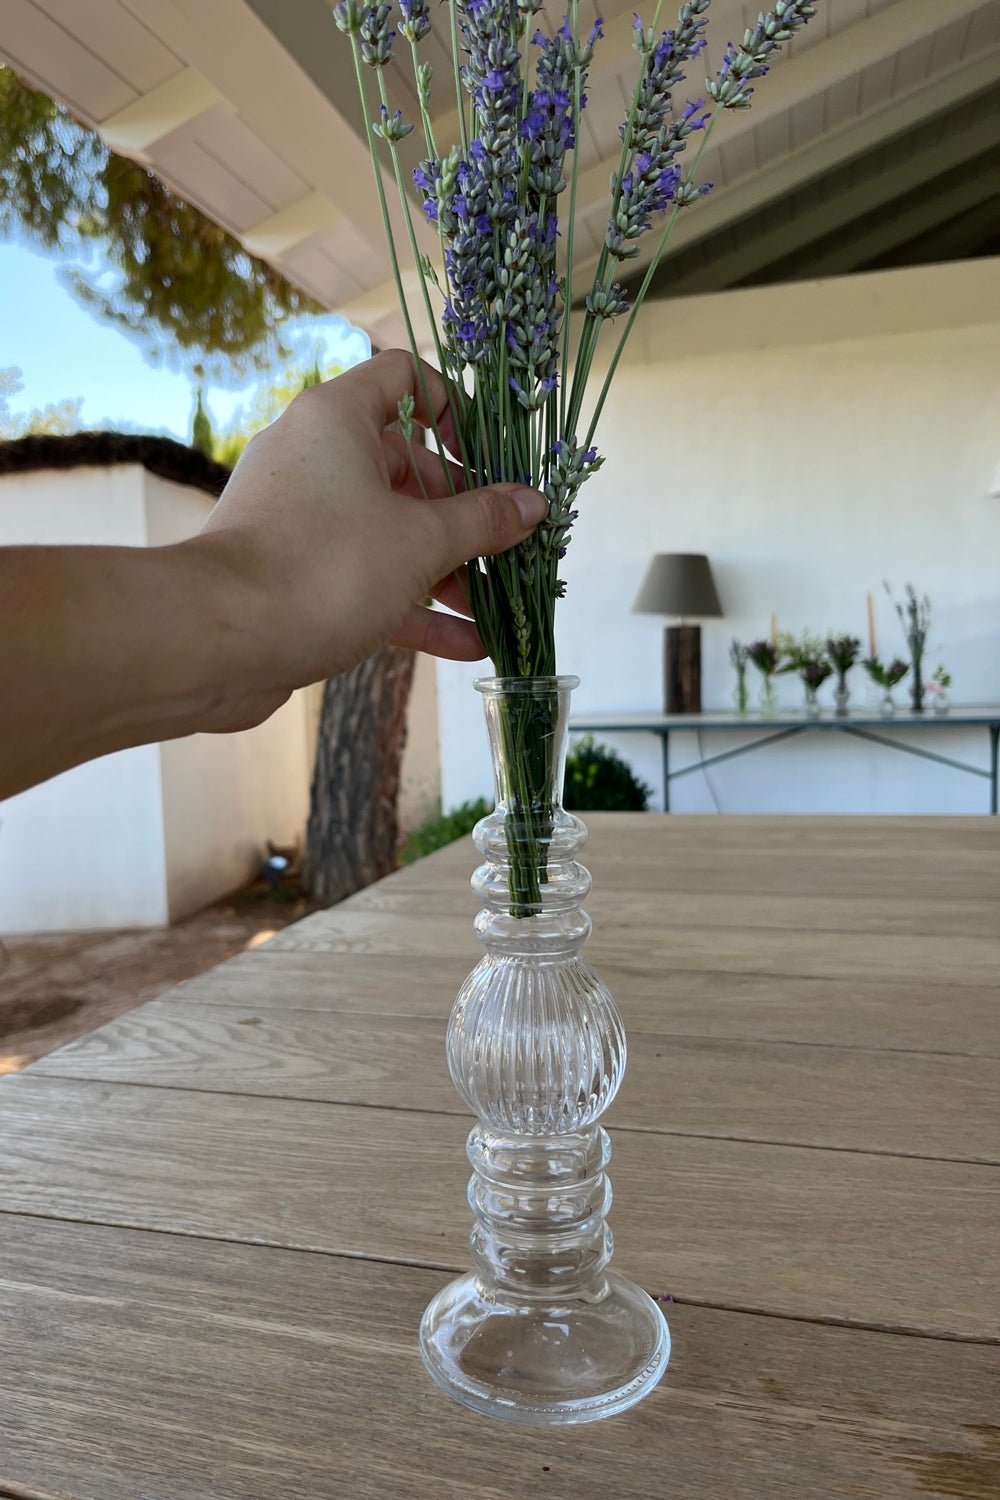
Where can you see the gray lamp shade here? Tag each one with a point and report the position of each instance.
(679, 584)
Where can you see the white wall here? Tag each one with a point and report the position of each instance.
(224, 796)
(148, 835)
(85, 850)
(813, 440)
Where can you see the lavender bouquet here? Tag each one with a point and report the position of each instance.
(499, 296)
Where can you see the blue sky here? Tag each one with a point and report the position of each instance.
(63, 351)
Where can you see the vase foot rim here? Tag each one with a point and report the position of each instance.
(459, 1318)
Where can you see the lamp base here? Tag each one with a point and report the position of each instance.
(682, 669)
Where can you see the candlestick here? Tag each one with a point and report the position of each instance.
(872, 651)
(774, 630)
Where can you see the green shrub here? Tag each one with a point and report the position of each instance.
(443, 828)
(598, 780)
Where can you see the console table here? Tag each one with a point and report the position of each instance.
(863, 725)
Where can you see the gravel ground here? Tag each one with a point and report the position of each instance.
(57, 987)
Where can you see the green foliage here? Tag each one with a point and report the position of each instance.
(202, 436)
(52, 421)
(266, 405)
(598, 780)
(443, 828)
(183, 285)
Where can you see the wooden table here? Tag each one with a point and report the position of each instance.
(224, 1212)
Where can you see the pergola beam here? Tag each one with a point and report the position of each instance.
(805, 228)
(282, 231)
(797, 79)
(861, 249)
(729, 204)
(186, 96)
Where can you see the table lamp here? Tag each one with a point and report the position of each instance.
(680, 584)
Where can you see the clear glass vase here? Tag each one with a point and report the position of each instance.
(812, 701)
(768, 696)
(542, 1331)
(841, 697)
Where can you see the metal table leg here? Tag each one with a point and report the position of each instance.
(665, 738)
(994, 743)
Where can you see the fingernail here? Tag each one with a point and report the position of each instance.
(531, 505)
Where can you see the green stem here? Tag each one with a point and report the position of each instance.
(432, 321)
(650, 273)
(394, 260)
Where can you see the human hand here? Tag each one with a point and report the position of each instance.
(325, 528)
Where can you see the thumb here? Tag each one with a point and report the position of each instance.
(478, 523)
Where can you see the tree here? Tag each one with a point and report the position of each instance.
(56, 421)
(183, 283)
(353, 833)
(202, 436)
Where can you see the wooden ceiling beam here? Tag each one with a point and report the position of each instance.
(182, 99)
(727, 205)
(861, 249)
(946, 153)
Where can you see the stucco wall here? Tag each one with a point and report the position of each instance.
(145, 836)
(812, 440)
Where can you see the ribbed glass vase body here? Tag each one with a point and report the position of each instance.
(542, 1331)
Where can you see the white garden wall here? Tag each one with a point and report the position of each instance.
(813, 440)
(148, 835)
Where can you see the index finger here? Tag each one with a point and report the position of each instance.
(382, 381)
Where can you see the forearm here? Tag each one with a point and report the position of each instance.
(107, 647)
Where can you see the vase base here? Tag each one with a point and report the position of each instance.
(548, 1363)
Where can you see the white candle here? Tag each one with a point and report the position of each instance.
(872, 651)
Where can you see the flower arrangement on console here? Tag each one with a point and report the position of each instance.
(886, 676)
(915, 618)
(502, 197)
(937, 689)
(842, 652)
(806, 656)
(765, 657)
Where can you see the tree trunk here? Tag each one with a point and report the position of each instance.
(352, 834)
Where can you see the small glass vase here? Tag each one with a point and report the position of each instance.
(840, 697)
(741, 694)
(812, 702)
(768, 697)
(887, 707)
(940, 702)
(541, 1332)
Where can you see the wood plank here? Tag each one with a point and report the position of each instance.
(64, 67)
(123, 43)
(780, 1229)
(864, 1012)
(900, 956)
(612, 901)
(913, 1104)
(146, 1365)
(869, 859)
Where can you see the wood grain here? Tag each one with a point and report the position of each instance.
(820, 1233)
(231, 1372)
(221, 1216)
(854, 1099)
(929, 1016)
